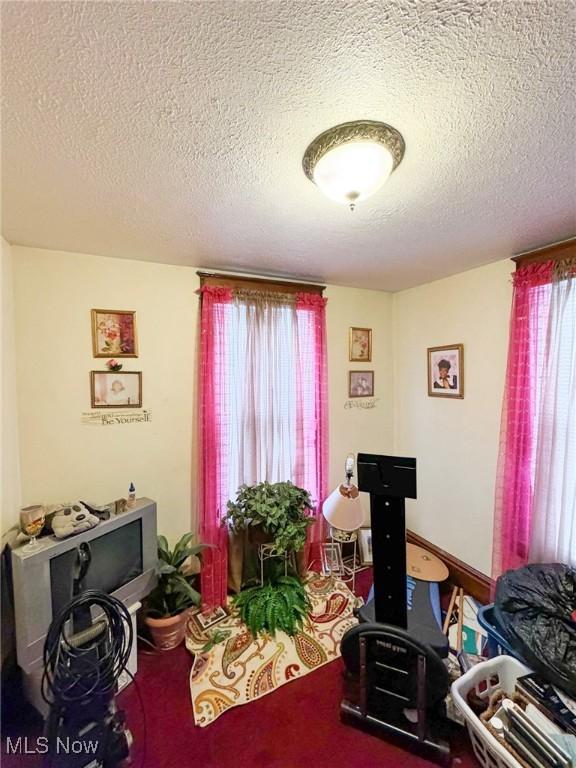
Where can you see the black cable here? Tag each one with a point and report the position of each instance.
(74, 674)
(143, 710)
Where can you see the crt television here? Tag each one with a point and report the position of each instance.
(123, 559)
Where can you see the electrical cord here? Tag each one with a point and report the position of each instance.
(143, 711)
(79, 667)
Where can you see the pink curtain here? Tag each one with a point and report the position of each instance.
(228, 364)
(514, 482)
(212, 371)
(312, 410)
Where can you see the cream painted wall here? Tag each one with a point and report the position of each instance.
(355, 429)
(455, 441)
(62, 458)
(9, 453)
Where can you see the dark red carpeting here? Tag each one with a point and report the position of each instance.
(296, 726)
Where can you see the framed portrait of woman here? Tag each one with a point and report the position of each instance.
(446, 371)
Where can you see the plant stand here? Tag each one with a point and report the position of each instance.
(269, 552)
(332, 562)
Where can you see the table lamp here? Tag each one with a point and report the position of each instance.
(343, 512)
(343, 509)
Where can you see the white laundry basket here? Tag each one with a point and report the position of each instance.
(487, 748)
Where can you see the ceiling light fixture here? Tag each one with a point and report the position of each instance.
(353, 160)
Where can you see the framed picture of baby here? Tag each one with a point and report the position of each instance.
(361, 384)
(446, 371)
(112, 389)
(114, 333)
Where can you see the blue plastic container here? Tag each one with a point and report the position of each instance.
(497, 644)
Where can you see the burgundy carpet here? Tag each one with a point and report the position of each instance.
(297, 726)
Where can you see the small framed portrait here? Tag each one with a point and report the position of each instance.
(204, 621)
(331, 559)
(114, 333)
(361, 384)
(360, 345)
(446, 371)
(365, 538)
(112, 389)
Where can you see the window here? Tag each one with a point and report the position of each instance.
(262, 405)
(535, 516)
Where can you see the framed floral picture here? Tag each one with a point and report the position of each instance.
(446, 371)
(360, 345)
(115, 389)
(114, 333)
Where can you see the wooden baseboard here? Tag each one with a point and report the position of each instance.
(474, 583)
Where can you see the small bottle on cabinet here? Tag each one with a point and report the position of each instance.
(131, 495)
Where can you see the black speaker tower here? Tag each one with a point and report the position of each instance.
(389, 480)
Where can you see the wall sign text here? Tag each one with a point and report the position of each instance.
(107, 418)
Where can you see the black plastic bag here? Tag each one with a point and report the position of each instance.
(535, 610)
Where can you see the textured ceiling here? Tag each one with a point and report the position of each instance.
(174, 132)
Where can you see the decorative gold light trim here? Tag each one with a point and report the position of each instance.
(358, 130)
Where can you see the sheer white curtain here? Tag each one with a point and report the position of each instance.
(261, 403)
(553, 529)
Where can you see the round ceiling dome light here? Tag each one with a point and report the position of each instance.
(353, 160)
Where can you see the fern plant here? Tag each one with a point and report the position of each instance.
(280, 604)
(280, 509)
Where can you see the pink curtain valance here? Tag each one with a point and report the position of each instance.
(310, 301)
(537, 273)
(217, 292)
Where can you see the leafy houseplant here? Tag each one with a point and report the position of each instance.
(278, 509)
(174, 592)
(281, 603)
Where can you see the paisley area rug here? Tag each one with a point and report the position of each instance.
(239, 669)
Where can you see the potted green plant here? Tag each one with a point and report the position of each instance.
(279, 511)
(280, 604)
(168, 604)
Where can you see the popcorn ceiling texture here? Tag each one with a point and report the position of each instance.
(174, 132)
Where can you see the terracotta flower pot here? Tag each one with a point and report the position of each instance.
(169, 632)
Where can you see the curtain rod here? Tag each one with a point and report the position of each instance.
(289, 286)
(551, 252)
